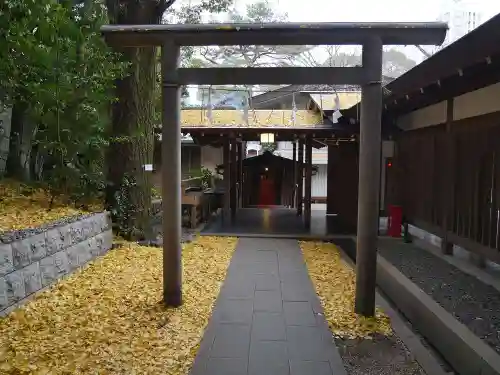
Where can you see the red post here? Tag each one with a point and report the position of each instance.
(394, 221)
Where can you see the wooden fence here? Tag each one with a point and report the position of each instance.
(448, 182)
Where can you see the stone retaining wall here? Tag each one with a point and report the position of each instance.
(29, 263)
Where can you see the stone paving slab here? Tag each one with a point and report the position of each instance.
(267, 319)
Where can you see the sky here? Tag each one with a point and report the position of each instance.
(377, 11)
(373, 11)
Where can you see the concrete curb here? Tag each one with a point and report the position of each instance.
(463, 350)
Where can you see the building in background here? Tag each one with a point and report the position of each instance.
(462, 16)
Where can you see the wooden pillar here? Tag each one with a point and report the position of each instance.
(171, 177)
(330, 181)
(308, 184)
(294, 174)
(226, 210)
(369, 178)
(234, 173)
(300, 177)
(449, 206)
(240, 173)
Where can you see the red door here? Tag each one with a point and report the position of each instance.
(267, 193)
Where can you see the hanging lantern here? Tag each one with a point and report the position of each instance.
(267, 138)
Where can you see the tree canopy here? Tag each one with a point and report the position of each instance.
(77, 105)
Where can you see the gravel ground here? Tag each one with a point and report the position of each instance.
(14, 235)
(380, 356)
(472, 302)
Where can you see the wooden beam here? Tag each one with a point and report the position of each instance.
(333, 152)
(234, 177)
(308, 185)
(171, 178)
(324, 33)
(226, 206)
(240, 152)
(449, 204)
(475, 77)
(300, 177)
(369, 182)
(295, 173)
(273, 76)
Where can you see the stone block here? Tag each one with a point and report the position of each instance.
(106, 217)
(6, 259)
(21, 251)
(107, 240)
(61, 264)
(58, 239)
(4, 301)
(38, 247)
(48, 270)
(76, 232)
(32, 279)
(88, 228)
(84, 253)
(102, 221)
(95, 244)
(72, 253)
(15, 286)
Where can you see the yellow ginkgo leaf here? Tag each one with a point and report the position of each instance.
(335, 283)
(108, 318)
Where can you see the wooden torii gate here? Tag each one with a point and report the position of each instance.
(371, 36)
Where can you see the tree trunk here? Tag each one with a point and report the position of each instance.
(21, 137)
(128, 195)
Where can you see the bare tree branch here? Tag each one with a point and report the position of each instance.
(421, 49)
(163, 5)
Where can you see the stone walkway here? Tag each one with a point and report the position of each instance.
(267, 319)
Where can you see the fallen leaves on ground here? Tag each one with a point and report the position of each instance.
(335, 284)
(108, 317)
(23, 207)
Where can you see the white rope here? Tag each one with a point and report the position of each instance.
(246, 106)
(209, 109)
(336, 109)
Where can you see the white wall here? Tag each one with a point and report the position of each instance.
(319, 155)
(428, 116)
(478, 102)
(319, 181)
(211, 157)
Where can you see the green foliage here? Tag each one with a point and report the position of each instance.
(155, 193)
(59, 66)
(270, 147)
(125, 211)
(206, 177)
(56, 66)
